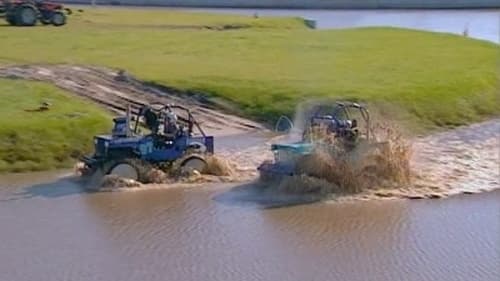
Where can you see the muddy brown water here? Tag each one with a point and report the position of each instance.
(53, 230)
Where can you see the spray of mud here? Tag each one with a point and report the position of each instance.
(464, 160)
(217, 170)
(113, 181)
(460, 161)
(334, 169)
(219, 167)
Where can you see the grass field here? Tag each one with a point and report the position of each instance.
(262, 67)
(266, 68)
(39, 140)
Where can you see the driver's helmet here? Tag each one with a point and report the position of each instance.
(171, 116)
(340, 124)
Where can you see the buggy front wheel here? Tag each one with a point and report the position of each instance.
(193, 163)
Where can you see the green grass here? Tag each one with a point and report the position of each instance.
(265, 68)
(31, 140)
(161, 18)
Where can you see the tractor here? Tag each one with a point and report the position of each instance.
(29, 12)
(173, 140)
(323, 123)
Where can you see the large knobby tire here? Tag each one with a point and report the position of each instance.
(58, 19)
(193, 163)
(125, 170)
(133, 169)
(26, 16)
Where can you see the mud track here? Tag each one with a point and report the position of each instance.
(116, 89)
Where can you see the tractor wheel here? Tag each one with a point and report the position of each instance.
(26, 16)
(192, 163)
(133, 169)
(58, 19)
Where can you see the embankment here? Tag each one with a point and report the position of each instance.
(43, 127)
(116, 89)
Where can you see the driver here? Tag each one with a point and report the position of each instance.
(170, 127)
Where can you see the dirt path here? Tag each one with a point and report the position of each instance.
(114, 90)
